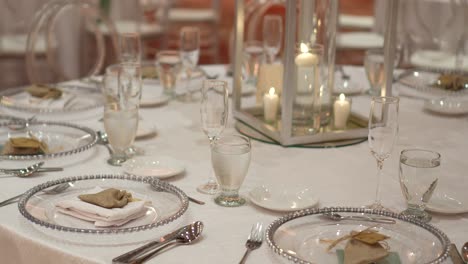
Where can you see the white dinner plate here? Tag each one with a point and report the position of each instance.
(447, 106)
(149, 101)
(444, 203)
(156, 166)
(145, 130)
(280, 199)
(351, 87)
(435, 59)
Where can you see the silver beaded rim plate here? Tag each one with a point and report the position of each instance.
(407, 78)
(84, 92)
(154, 182)
(273, 227)
(20, 122)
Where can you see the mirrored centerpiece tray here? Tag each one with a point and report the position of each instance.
(305, 236)
(28, 139)
(158, 203)
(72, 98)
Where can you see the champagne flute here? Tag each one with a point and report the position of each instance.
(272, 35)
(214, 115)
(383, 131)
(169, 65)
(374, 65)
(190, 53)
(130, 47)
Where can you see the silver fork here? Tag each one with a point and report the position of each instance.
(254, 240)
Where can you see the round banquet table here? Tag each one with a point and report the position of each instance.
(338, 176)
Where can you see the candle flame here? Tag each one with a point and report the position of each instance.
(342, 97)
(304, 48)
(271, 91)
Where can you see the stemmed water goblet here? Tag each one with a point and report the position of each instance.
(120, 124)
(383, 131)
(272, 35)
(190, 53)
(214, 115)
(130, 47)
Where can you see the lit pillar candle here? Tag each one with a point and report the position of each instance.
(305, 62)
(341, 111)
(270, 105)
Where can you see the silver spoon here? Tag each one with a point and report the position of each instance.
(376, 219)
(55, 190)
(187, 236)
(464, 252)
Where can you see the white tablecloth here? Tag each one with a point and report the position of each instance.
(339, 176)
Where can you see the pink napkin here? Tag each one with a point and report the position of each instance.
(102, 217)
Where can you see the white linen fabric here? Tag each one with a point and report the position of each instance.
(102, 217)
(338, 176)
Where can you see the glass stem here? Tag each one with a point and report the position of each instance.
(379, 178)
(189, 79)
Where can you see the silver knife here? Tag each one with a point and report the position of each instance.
(455, 255)
(127, 257)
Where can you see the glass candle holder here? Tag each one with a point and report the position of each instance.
(341, 111)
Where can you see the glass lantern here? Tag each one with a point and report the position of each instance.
(290, 82)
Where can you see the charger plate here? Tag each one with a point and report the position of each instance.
(62, 139)
(75, 98)
(165, 203)
(297, 236)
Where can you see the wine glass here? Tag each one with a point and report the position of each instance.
(189, 53)
(383, 130)
(214, 115)
(272, 34)
(130, 47)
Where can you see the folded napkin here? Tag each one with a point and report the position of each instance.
(109, 198)
(102, 217)
(24, 146)
(149, 72)
(31, 97)
(43, 91)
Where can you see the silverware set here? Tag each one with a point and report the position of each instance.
(254, 241)
(29, 170)
(55, 190)
(183, 236)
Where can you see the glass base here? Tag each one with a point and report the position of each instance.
(229, 201)
(377, 206)
(209, 188)
(422, 216)
(116, 161)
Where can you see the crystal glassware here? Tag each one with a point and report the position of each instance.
(169, 65)
(130, 47)
(190, 53)
(253, 55)
(122, 83)
(383, 131)
(230, 157)
(374, 66)
(120, 124)
(419, 173)
(214, 114)
(272, 36)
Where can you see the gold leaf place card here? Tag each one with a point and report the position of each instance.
(25, 146)
(364, 247)
(44, 92)
(109, 198)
